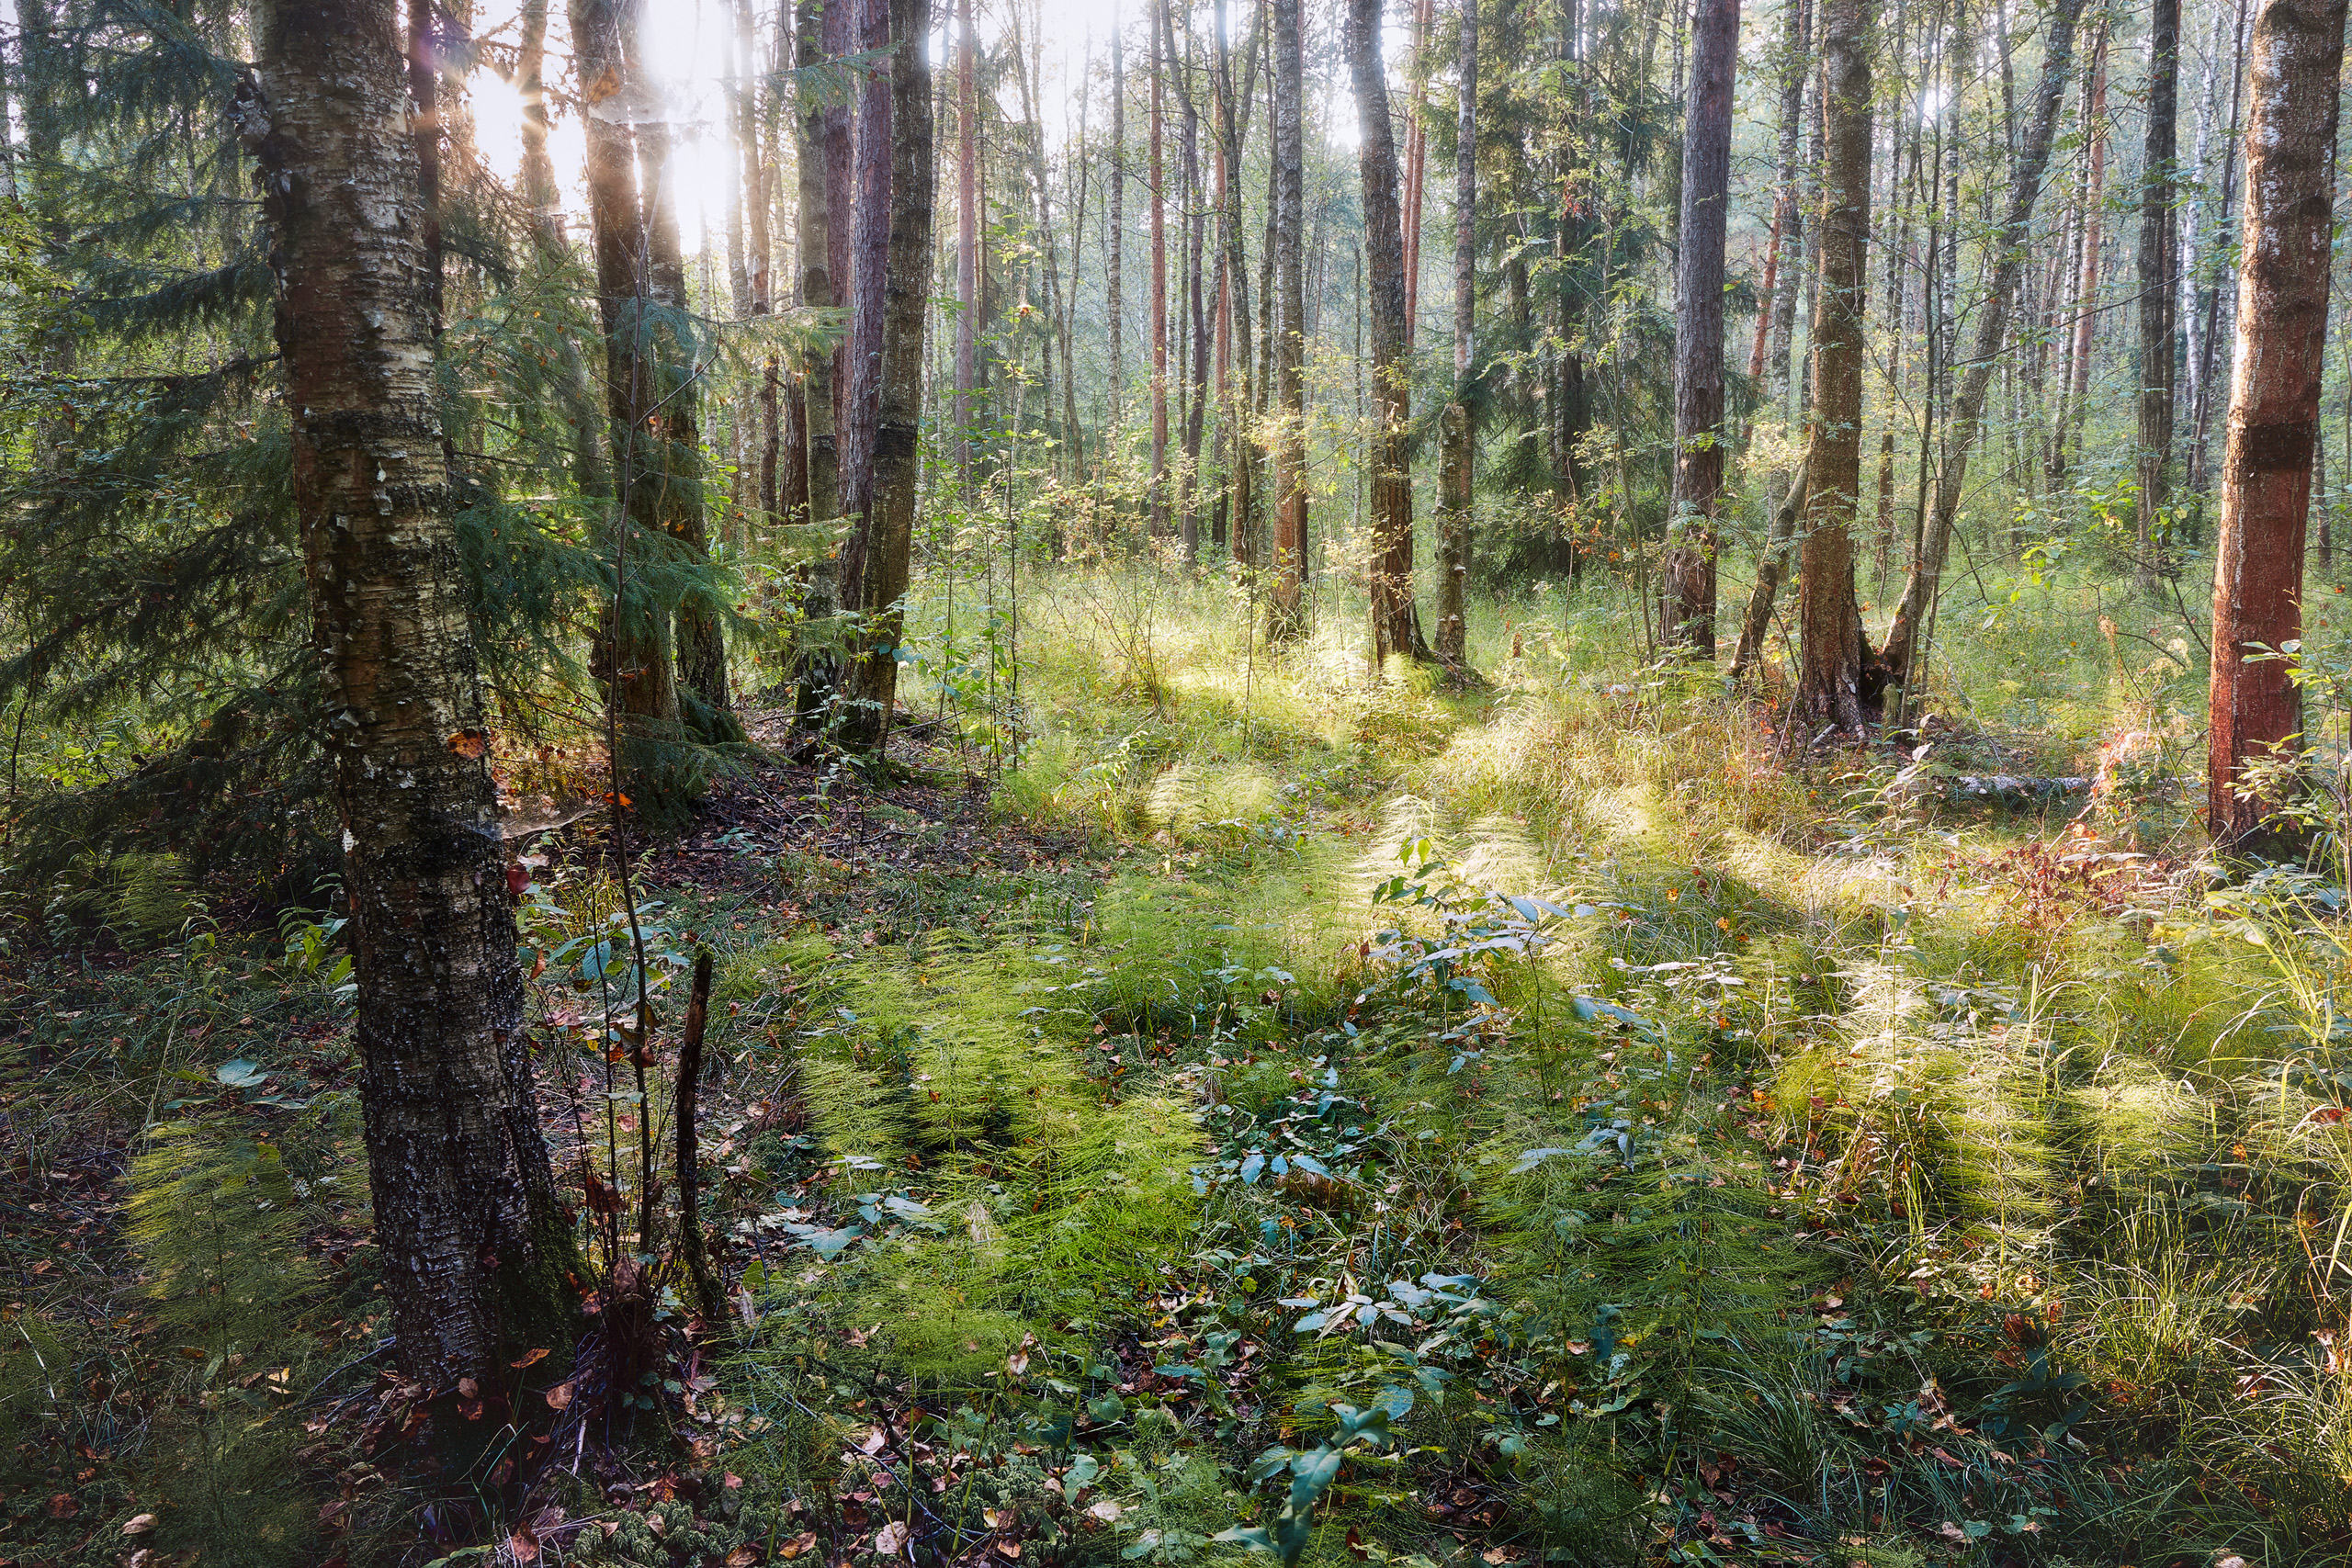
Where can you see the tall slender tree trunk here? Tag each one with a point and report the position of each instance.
(1195, 243)
(1041, 190)
(1417, 156)
(2015, 237)
(2215, 329)
(1456, 452)
(475, 1248)
(1287, 197)
(545, 202)
(1115, 309)
(673, 430)
(632, 655)
(1796, 46)
(2075, 394)
(861, 410)
(424, 128)
(1395, 621)
(2158, 258)
(967, 238)
(2255, 713)
(759, 175)
(1233, 107)
(1832, 651)
(818, 672)
(1686, 609)
(898, 459)
(1159, 509)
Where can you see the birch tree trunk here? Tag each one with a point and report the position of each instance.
(1395, 621)
(1159, 505)
(1233, 300)
(968, 239)
(2075, 393)
(2254, 712)
(1115, 309)
(2015, 236)
(1456, 453)
(475, 1248)
(1686, 609)
(1287, 197)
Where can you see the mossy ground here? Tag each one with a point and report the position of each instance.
(1688, 1154)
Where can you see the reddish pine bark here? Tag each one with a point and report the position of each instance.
(2255, 711)
(1831, 650)
(1688, 610)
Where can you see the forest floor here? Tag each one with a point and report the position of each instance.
(1271, 1110)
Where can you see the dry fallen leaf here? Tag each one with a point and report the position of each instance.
(530, 1358)
(560, 1396)
(139, 1524)
(892, 1539)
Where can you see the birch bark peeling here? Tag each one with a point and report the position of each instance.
(475, 1250)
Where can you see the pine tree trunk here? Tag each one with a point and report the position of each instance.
(475, 1248)
(2255, 711)
(2157, 259)
(1456, 453)
(1287, 197)
(896, 467)
(1687, 609)
(1396, 622)
(1967, 418)
(1832, 652)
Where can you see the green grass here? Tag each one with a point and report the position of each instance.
(1836, 1176)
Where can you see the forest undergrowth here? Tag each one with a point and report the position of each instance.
(1282, 1112)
